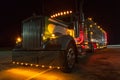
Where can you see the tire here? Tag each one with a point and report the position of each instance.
(91, 50)
(69, 59)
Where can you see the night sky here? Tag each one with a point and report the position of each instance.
(12, 12)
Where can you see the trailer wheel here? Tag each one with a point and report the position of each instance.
(92, 48)
(69, 58)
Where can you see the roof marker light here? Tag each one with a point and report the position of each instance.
(61, 14)
(58, 14)
(65, 13)
(70, 11)
(51, 16)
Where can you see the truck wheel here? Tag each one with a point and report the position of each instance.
(69, 59)
(92, 48)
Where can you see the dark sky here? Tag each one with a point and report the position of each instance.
(104, 12)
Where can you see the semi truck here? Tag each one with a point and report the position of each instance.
(57, 40)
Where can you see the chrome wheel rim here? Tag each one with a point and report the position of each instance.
(71, 57)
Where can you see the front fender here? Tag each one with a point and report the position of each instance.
(65, 40)
(60, 43)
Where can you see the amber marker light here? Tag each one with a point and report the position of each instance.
(13, 62)
(50, 67)
(31, 64)
(98, 26)
(61, 13)
(90, 19)
(58, 67)
(70, 11)
(17, 63)
(18, 40)
(21, 63)
(51, 16)
(91, 26)
(65, 13)
(58, 14)
(36, 65)
(42, 66)
(26, 64)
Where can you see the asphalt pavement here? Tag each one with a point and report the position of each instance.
(102, 65)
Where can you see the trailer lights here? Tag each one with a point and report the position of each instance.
(90, 19)
(91, 26)
(98, 26)
(101, 29)
(95, 23)
(92, 40)
(91, 33)
(86, 43)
